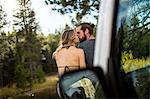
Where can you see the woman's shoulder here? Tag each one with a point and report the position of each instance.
(79, 50)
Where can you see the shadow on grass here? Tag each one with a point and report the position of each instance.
(45, 93)
(46, 90)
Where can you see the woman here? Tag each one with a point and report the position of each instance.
(67, 56)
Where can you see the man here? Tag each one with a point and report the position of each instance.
(87, 41)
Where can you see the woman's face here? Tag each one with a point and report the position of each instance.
(76, 39)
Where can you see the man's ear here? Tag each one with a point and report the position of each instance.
(86, 32)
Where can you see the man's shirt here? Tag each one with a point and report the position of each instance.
(88, 47)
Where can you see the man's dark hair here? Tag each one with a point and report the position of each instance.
(88, 26)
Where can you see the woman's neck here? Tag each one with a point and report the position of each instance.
(69, 45)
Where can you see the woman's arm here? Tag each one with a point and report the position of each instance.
(82, 59)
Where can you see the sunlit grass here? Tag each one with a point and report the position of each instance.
(8, 91)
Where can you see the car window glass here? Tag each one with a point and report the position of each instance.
(82, 84)
(133, 24)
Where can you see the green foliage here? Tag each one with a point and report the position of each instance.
(24, 17)
(94, 31)
(22, 77)
(22, 51)
(31, 48)
(39, 75)
(50, 44)
(138, 66)
(130, 64)
(136, 31)
(80, 7)
(4, 45)
(142, 83)
(3, 21)
(7, 45)
(28, 46)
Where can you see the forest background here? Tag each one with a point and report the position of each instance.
(25, 53)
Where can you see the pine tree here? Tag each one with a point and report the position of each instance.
(136, 29)
(28, 47)
(3, 43)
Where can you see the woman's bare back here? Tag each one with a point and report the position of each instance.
(71, 58)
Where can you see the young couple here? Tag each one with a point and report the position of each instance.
(70, 56)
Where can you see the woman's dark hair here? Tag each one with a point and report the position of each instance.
(88, 26)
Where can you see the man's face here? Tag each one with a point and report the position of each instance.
(80, 34)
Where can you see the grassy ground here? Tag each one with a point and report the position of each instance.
(44, 90)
